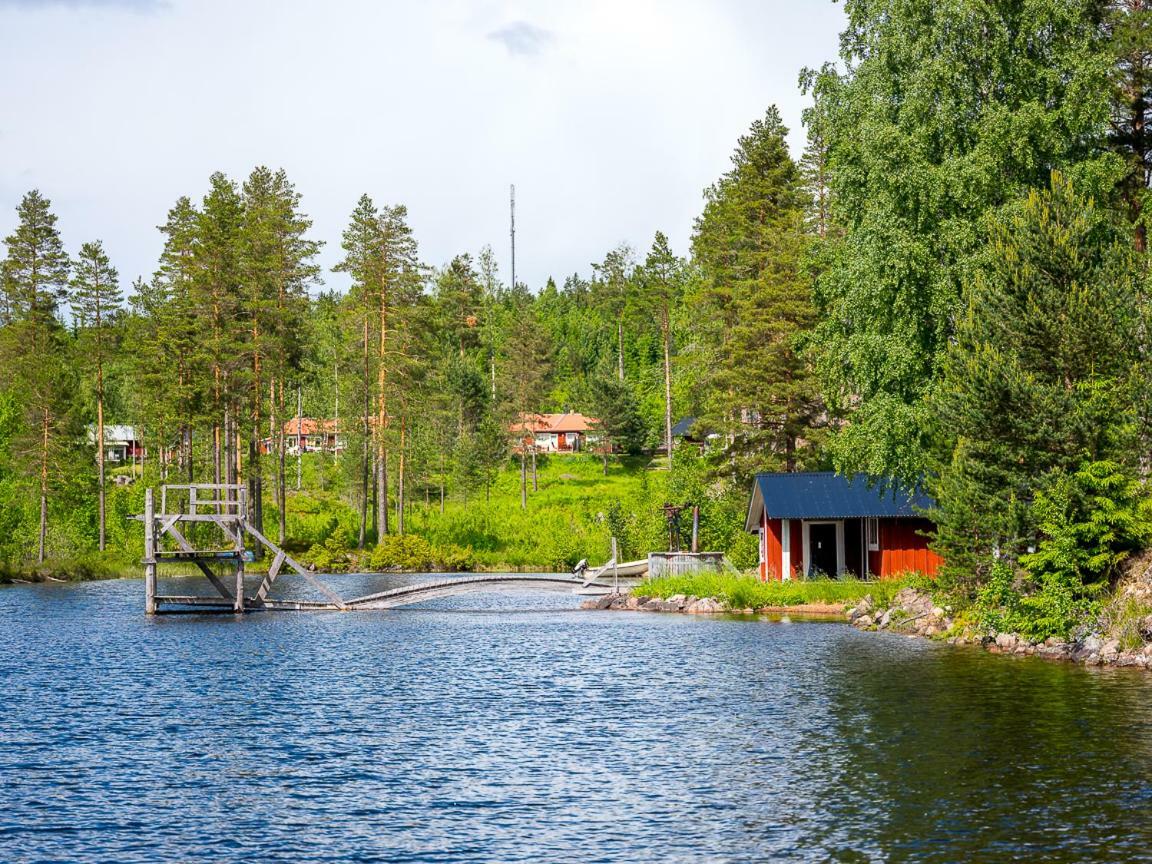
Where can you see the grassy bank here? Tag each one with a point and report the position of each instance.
(748, 592)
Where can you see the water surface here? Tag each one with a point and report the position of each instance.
(514, 727)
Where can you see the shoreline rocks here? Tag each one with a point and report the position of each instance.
(913, 614)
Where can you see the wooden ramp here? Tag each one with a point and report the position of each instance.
(223, 510)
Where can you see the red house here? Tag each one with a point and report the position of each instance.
(823, 522)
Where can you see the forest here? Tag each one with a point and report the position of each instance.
(948, 286)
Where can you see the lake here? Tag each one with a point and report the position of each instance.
(514, 727)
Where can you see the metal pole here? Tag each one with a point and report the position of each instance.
(512, 232)
(149, 553)
(695, 529)
(615, 568)
(242, 518)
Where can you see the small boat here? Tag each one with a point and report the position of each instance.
(632, 571)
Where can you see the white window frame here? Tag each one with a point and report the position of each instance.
(872, 533)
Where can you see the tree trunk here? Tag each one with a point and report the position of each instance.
(523, 480)
(365, 458)
(441, 482)
(400, 482)
(604, 451)
(281, 472)
(667, 327)
(43, 540)
(382, 516)
(620, 347)
(100, 450)
(535, 483)
(382, 417)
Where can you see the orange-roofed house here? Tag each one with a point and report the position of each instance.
(314, 436)
(557, 433)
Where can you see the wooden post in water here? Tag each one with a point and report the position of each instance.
(149, 553)
(241, 518)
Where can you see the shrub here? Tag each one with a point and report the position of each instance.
(413, 552)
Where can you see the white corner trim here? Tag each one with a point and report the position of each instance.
(785, 550)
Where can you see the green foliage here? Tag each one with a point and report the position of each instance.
(413, 553)
(1089, 522)
(752, 304)
(944, 114)
(748, 592)
(1039, 377)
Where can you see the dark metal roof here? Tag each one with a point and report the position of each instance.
(827, 495)
(683, 427)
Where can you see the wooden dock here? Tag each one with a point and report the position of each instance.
(207, 525)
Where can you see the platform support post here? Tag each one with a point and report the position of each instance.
(240, 508)
(149, 553)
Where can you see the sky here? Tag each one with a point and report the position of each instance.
(610, 116)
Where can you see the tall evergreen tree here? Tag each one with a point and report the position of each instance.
(1040, 376)
(756, 304)
(96, 300)
(661, 283)
(35, 280)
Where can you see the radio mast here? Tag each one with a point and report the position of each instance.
(512, 231)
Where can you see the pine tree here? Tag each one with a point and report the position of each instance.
(217, 302)
(662, 284)
(276, 260)
(526, 367)
(381, 257)
(96, 300)
(35, 279)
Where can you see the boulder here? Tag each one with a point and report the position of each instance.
(864, 622)
(1091, 644)
(605, 602)
(1006, 641)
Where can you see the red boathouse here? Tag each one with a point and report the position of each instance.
(823, 522)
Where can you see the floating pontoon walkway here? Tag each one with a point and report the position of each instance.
(227, 516)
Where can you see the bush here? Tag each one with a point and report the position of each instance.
(412, 552)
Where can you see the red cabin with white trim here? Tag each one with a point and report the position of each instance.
(826, 523)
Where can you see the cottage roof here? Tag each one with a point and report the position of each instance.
(548, 423)
(828, 495)
(311, 426)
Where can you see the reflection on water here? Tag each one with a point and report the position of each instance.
(516, 728)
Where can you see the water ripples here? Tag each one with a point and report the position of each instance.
(516, 728)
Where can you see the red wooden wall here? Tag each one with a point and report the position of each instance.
(903, 549)
(770, 549)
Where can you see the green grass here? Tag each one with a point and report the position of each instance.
(744, 592)
(567, 518)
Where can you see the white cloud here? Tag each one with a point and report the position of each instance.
(522, 38)
(609, 134)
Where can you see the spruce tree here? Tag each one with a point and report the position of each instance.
(754, 304)
(1040, 376)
